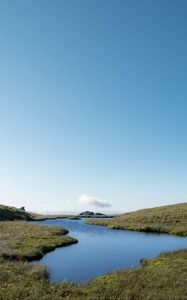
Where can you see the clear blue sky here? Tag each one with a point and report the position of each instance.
(93, 101)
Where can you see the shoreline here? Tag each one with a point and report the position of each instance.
(145, 229)
(25, 241)
(163, 277)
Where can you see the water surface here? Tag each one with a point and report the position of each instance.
(101, 250)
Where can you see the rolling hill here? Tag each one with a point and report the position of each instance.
(167, 219)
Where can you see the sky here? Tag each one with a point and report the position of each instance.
(93, 104)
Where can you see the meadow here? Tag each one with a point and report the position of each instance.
(160, 279)
(170, 219)
(24, 241)
(164, 277)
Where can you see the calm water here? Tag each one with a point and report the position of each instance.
(102, 250)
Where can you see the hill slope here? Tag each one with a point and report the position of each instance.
(12, 213)
(169, 219)
(8, 213)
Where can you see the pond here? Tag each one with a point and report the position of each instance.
(101, 250)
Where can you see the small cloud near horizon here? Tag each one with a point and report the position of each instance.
(90, 200)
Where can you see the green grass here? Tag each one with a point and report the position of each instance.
(12, 213)
(25, 241)
(170, 219)
(160, 279)
(73, 218)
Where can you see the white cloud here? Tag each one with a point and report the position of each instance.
(90, 200)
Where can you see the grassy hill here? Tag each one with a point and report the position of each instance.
(167, 219)
(12, 213)
(8, 213)
(164, 277)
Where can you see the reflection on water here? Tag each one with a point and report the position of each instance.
(102, 250)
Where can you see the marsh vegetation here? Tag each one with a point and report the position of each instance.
(162, 278)
(24, 241)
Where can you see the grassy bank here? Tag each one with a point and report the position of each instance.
(22, 240)
(156, 279)
(170, 219)
(12, 213)
(159, 279)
